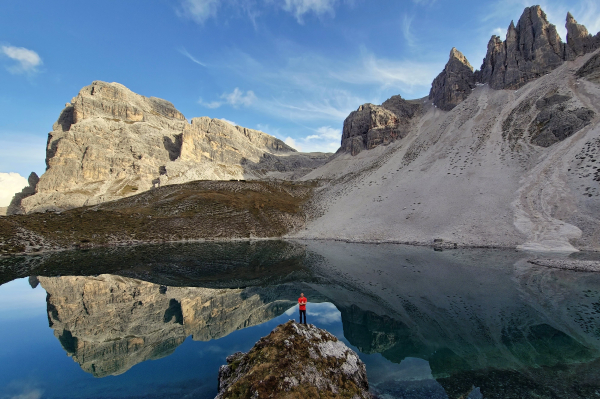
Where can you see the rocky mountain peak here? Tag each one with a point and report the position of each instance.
(454, 83)
(579, 41)
(457, 55)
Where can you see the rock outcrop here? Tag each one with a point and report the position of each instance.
(373, 125)
(559, 118)
(15, 207)
(3, 210)
(579, 41)
(454, 83)
(110, 142)
(591, 69)
(295, 360)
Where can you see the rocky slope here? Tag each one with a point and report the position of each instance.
(295, 360)
(511, 168)
(110, 143)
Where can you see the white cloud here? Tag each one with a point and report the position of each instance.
(199, 10)
(326, 139)
(10, 183)
(301, 7)
(235, 99)
(27, 60)
(292, 143)
(500, 32)
(232, 123)
(191, 57)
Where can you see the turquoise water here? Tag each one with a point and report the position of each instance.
(158, 321)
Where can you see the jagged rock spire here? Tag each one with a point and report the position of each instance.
(531, 49)
(454, 83)
(579, 41)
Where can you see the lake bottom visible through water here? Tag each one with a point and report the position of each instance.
(158, 321)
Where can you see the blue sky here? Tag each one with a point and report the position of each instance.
(292, 68)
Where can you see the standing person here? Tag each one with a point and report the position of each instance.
(302, 303)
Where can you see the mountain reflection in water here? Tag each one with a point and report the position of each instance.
(476, 318)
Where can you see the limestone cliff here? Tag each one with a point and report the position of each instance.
(295, 361)
(373, 125)
(110, 142)
(108, 324)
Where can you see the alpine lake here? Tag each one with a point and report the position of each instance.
(157, 321)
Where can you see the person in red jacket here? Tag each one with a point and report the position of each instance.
(302, 303)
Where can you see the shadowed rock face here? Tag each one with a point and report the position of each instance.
(110, 143)
(591, 69)
(373, 125)
(454, 83)
(579, 41)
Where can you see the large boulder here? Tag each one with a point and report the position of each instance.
(454, 83)
(293, 361)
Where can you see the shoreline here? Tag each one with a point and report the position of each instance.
(436, 246)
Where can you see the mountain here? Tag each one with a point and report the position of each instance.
(109, 143)
(504, 156)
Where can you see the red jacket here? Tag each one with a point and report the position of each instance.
(302, 302)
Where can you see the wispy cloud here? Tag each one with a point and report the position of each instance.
(184, 52)
(198, 10)
(202, 10)
(27, 61)
(406, 30)
(235, 99)
(324, 139)
(299, 8)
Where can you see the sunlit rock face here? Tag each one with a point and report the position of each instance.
(110, 323)
(110, 142)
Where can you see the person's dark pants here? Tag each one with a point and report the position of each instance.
(303, 312)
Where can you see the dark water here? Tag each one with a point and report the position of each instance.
(158, 321)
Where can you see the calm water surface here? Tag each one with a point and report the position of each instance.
(158, 321)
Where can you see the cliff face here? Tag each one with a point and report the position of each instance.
(532, 49)
(108, 324)
(454, 83)
(372, 125)
(110, 143)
